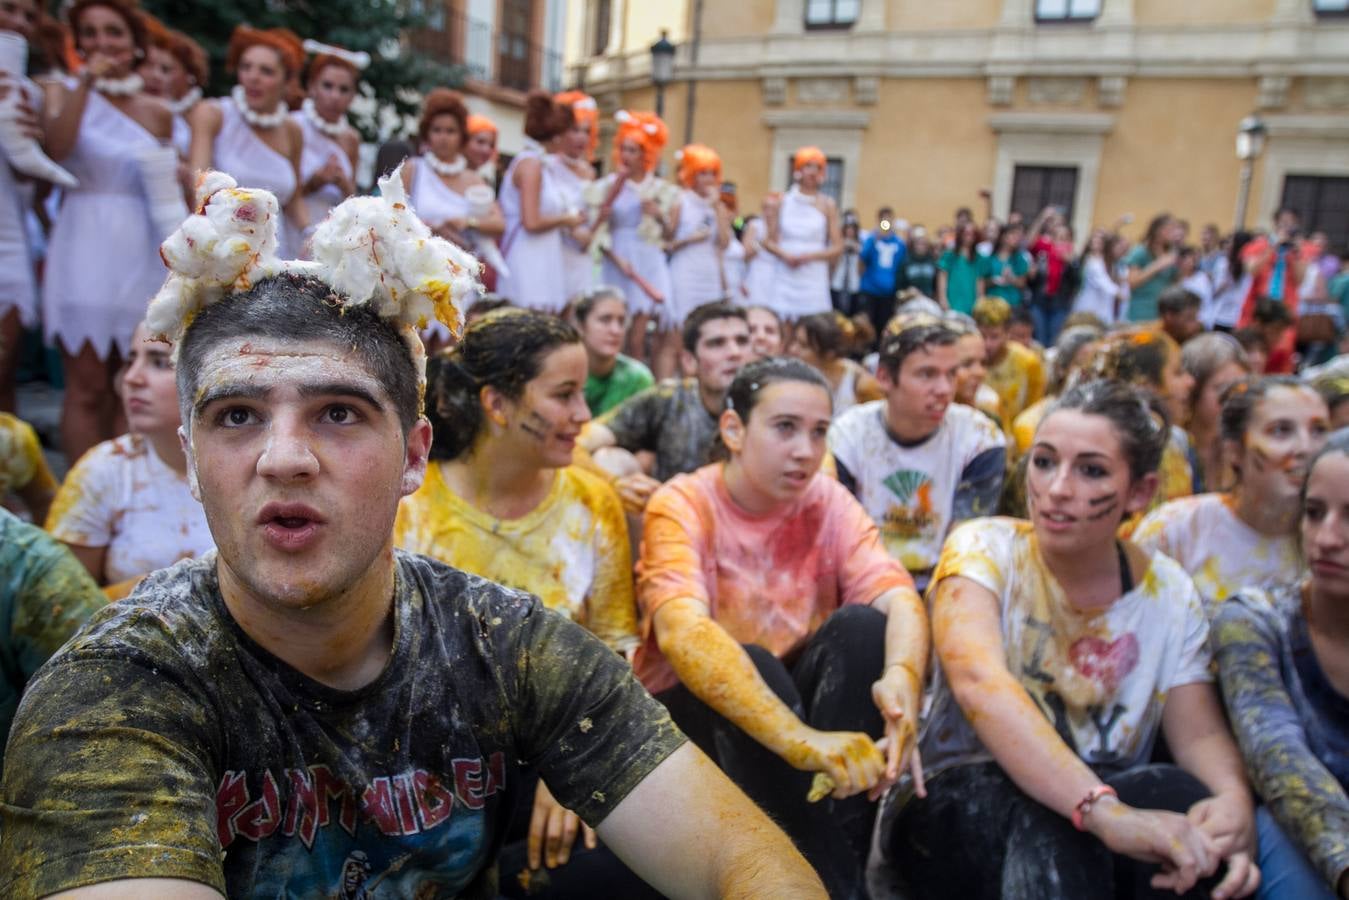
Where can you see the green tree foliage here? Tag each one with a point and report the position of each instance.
(397, 75)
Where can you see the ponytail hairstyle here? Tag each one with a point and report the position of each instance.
(1136, 357)
(749, 383)
(545, 118)
(1204, 354)
(829, 334)
(503, 350)
(1140, 425)
(1240, 400)
(585, 304)
(1069, 344)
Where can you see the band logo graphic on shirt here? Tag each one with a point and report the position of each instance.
(405, 804)
(914, 516)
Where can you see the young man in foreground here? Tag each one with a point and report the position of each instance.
(308, 712)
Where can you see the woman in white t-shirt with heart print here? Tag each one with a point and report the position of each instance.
(1062, 652)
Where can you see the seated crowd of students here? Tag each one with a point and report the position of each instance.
(1118, 684)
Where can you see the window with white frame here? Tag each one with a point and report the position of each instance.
(832, 13)
(1067, 10)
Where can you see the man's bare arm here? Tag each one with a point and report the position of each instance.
(142, 889)
(689, 832)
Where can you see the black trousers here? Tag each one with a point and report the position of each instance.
(880, 308)
(828, 685)
(978, 836)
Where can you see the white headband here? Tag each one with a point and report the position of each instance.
(358, 58)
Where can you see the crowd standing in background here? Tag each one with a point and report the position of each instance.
(986, 559)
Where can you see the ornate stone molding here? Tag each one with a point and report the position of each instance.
(842, 119)
(1056, 91)
(822, 91)
(1000, 90)
(1052, 123)
(866, 89)
(1110, 90)
(1273, 91)
(1325, 93)
(774, 91)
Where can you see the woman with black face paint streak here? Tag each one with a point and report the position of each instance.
(1062, 651)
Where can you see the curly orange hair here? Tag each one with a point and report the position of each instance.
(807, 155)
(697, 158)
(284, 41)
(644, 129)
(586, 112)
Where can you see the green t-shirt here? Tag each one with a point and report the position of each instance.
(627, 378)
(962, 280)
(164, 742)
(1143, 299)
(992, 266)
(45, 596)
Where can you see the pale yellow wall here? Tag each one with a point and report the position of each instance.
(644, 19)
(729, 119)
(925, 15)
(1173, 148)
(1203, 12)
(928, 149)
(737, 18)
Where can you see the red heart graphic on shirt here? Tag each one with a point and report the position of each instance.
(1107, 662)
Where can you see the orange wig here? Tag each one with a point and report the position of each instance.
(479, 124)
(697, 158)
(282, 40)
(586, 112)
(644, 129)
(807, 155)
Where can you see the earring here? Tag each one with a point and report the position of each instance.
(139, 54)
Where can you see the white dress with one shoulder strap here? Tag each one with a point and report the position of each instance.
(536, 278)
(240, 153)
(802, 228)
(103, 262)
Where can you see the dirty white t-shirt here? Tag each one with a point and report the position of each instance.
(120, 495)
(1223, 554)
(915, 492)
(1102, 679)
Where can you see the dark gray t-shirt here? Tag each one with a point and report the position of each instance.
(670, 420)
(164, 742)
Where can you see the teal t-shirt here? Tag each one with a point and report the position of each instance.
(45, 596)
(627, 378)
(1143, 299)
(993, 266)
(962, 280)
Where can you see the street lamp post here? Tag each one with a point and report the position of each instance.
(1250, 144)
(662, 68)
